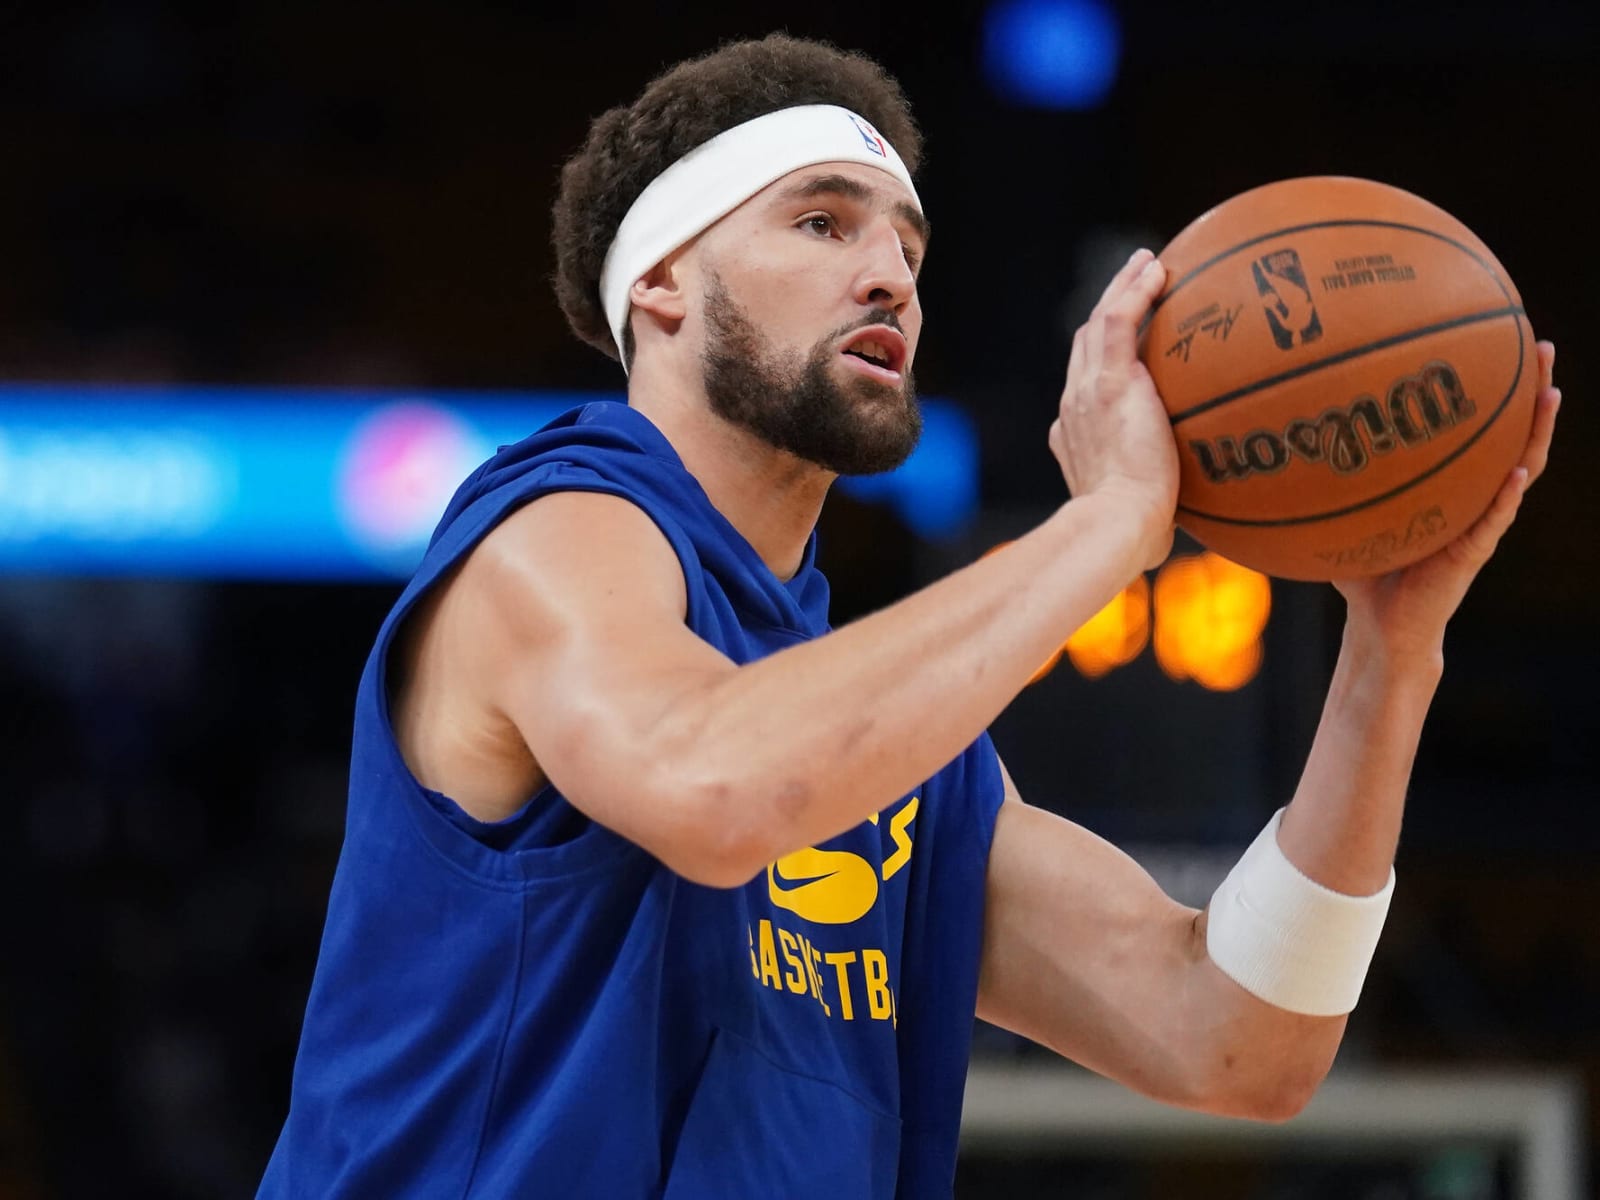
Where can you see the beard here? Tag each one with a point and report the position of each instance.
(797, 403)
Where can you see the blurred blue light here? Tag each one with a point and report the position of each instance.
(935, 492)
(308, 484)
(1052, 53)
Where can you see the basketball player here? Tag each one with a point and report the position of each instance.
(654, 885)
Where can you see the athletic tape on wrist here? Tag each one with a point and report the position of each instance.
(1287, 939)
(716, 177)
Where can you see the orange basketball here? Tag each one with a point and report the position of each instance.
(1349, 372)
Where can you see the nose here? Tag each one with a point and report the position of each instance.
(886, 279)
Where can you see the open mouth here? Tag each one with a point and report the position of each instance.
(878, 346)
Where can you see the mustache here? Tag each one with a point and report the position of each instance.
(880, 316)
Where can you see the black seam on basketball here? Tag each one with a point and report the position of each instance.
(1334, 360)
(1272, 522)
(1339, 224)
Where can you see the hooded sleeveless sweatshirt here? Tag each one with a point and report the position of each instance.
(538, 1007)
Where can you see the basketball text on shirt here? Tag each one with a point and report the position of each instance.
(830, 887)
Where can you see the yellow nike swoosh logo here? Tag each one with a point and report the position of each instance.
(830, 887)
(789, 883)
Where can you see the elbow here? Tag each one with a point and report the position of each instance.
(714, 860)
(706, 835)
(1270, 1092)
(1284, 1100)
(669, 790)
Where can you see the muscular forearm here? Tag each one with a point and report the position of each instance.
(1340, 830)
(1084, 954)
(1097, 963)
(1249, 1056)
(807, 743)
(1344, 822)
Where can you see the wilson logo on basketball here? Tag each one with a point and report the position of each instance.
(1418, 407)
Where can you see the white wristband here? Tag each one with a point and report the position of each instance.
(1287, 939)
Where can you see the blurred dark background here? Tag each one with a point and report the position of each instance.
(357, 194)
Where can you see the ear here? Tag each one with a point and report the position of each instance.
(660, 291)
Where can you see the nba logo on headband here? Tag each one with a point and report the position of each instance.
(869, 135)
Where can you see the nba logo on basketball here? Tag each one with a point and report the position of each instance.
(869, 135)
(1281, 283)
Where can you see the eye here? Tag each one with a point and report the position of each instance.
(912, 259)
(820, 223)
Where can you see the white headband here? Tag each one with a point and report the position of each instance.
(716, 177)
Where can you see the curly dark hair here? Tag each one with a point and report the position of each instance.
(689, 104)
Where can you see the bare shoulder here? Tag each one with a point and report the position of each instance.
(567, 557)
(525, 622)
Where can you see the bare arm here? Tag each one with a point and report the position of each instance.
(1391, 659)
(567, 625)
(576, 607)
(1083, 953)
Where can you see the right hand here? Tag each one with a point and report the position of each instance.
(1112, 435)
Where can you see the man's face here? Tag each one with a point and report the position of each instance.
(812, 317)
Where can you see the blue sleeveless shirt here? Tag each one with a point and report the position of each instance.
(539, 1007)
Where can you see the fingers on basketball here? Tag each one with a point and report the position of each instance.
(1480, 541)
(1544, 425)
(1114, 329)
(1121, 281)
(1478, 544)
(1304, 379)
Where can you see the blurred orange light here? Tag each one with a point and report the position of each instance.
(1113, 636)
(1116, 634)
(1209, 617)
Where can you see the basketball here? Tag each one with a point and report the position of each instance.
(1349, 372)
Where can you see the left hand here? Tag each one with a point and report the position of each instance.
(1407, 609)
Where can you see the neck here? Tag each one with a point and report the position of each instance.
(771, 497)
